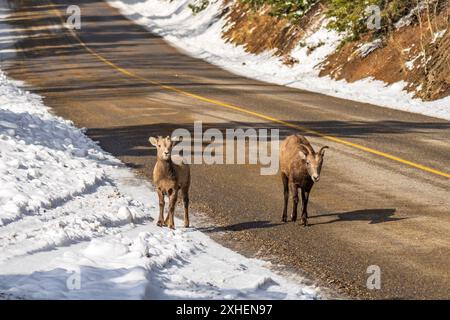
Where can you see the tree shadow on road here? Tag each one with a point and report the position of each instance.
(373, 216)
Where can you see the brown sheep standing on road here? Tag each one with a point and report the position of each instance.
(169, 177)
(300, 167)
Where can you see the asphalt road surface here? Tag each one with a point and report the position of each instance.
(383, 198)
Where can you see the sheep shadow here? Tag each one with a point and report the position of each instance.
(248, 225)
(373, 216)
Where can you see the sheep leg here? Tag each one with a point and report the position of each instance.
(284, 178)
(166, 221)
(294, 190)
(161, 208)
(173, 195)
(185, 192)
(305, 198)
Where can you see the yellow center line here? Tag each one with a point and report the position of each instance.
(246, 111)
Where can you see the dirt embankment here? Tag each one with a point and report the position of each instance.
(417, 53)
(257, 31)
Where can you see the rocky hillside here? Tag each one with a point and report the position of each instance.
(411, 43)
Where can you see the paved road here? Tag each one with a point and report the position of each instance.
(366, 210)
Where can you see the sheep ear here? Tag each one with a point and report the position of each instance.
(322, 150)
(302, 155)
(153, 141)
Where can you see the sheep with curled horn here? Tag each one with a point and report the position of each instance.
(300, 168)
(169, 178)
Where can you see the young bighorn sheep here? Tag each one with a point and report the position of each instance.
(300, 167)
(169, 177)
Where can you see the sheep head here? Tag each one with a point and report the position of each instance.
(313, 161)
(164, 146)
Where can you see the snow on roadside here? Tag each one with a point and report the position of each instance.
(76, 224)
(200, 36)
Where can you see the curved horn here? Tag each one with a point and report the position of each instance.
(307, 148)
(322, 150)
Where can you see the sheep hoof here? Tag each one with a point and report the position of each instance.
(284, 219)
(293, 219)
(172, 227)
(159, 223)
(186, 225)
(304, 222)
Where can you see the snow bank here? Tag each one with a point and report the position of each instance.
(48, 170)
(200, 36)
(151, 264)
(76, 224)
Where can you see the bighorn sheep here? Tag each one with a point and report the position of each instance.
(300, 167)
(169, 177)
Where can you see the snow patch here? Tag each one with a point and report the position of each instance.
(366, 48)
